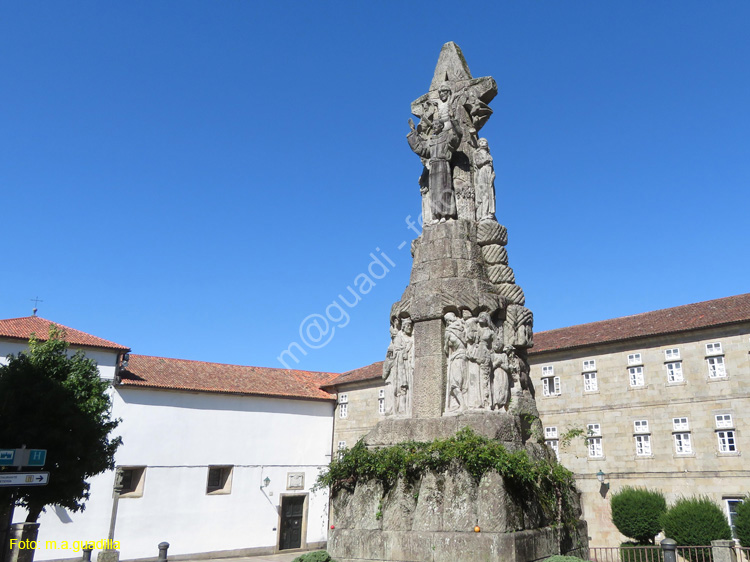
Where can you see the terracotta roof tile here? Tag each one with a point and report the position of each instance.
(708, 314)
(374, 371)
(23, 328)
(182, 374)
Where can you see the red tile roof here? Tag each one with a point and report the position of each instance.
(374, 371)
(708, 314)
(182, 374)
(23, 328)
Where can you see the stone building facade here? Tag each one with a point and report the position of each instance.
(662, 399)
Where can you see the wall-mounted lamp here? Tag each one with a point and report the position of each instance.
(600, 476)
(266, 482)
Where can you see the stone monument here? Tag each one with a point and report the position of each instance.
(457, 359)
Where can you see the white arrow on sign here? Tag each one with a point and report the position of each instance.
(24, 478)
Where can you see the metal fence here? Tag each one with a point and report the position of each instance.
(670, 553)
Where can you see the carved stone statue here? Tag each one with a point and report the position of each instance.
(439, 148)
(455, 350)
(484, 181)
(389, 371)
(473, 388)
(501, 373)
(404, 359)
(485, 336)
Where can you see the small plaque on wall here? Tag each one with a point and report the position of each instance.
(295, 481)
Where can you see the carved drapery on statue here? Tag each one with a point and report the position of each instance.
(398, 368)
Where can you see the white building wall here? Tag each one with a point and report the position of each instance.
(177, 436)
(106, 360)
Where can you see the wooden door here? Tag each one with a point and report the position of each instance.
(292, 511)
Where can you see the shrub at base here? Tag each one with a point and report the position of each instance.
(742, 521)
(637, 513)
(316, 556)
(695, 522)
(633, 552)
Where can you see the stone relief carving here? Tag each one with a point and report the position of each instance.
(484, 181)
(486, 364)
(398, 368)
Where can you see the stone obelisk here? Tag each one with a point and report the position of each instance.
(457, 358)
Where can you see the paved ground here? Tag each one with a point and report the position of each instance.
(284, 557)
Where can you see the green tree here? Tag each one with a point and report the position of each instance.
(637, 513)
(52, 400)
(742, 521)
(695, 521)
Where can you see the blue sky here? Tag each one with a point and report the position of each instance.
(195, 179)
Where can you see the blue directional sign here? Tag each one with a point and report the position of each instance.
(7, 457)
(37, 457)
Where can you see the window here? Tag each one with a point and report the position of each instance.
(674, 372)
(219, 480)
(636, 376)
(680, 424)
(672, 354)
(726, 438)
(550, 439)
(731, 504)
(130, 480)
(551, 386)
(713, 348)
(716, 368)
(682, 445)
(548, 371)
(641, 426)
(589, 365)
(341, 449)
(595, 441)
(343, 405)
(381, 401)
(590, 383)
(643, 445)
(634, 359)
(724, 420)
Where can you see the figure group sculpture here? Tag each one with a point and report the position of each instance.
(485, 362)
(458, 180)
(398, 368)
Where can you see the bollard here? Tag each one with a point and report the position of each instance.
(669, 547)
(86, 554)
(163, 546)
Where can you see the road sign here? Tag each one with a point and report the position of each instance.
(23, 457)
(36, 457)
(7, 456)
(24, 478)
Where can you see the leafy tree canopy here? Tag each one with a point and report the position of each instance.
(695, 521)
(637, 513)
(50, 399)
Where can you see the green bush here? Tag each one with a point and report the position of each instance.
(561, 558)
(742, 521)
(629, 552)
(695, 521)
(315, 556)
(637, 513)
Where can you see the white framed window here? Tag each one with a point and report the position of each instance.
(674, 372)
(590, 384)
(682, 443)
(636, 376)
(716, 368)
(680, 424)
(548, 370)
(641, 426)
(554, 444)
(713, 348)
(219, 480)
(551, 386)
(643, 445)
(635, 359)
(672, 354)
(589, 365)
(594, 429)
(726, 441)
(723, 420)
(381, 401)
(595, 447)
(343, 405)
(341, 449)
(550, 432)
(731, 507)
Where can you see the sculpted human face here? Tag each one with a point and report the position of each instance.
(444, 94)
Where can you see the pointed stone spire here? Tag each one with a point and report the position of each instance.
(451, 66)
